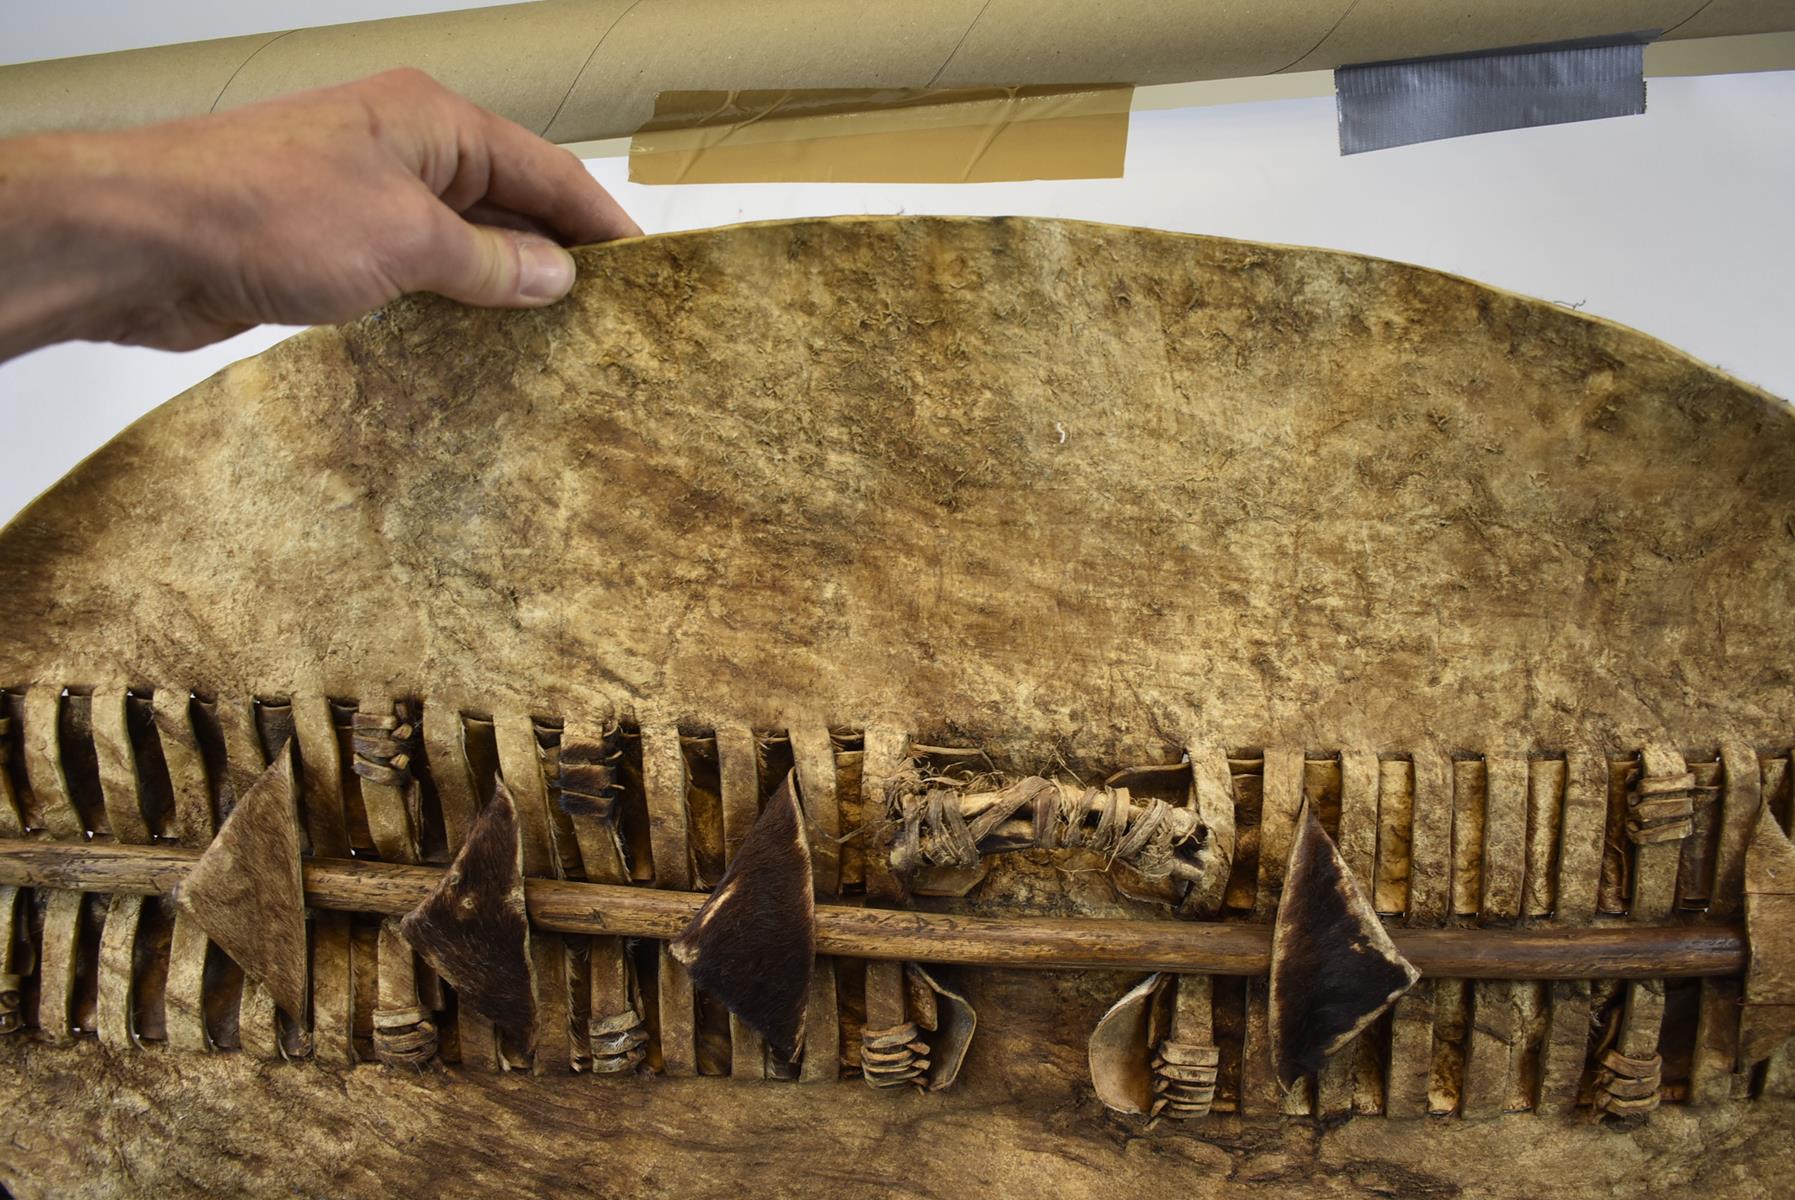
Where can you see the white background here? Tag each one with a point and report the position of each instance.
(1678, 222)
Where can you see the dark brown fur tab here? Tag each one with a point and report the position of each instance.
(753, 944)
(473, 929)
(247, 893)
(1334, 969)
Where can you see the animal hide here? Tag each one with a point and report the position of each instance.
(753, 944)
(247, 893)
(1333, 968)
(473, 929)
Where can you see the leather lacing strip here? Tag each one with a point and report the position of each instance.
(1661, 808)
(385, 747)
(894, 1057)
(1184, 1080)
(584, 768)
(918, 1028)
(619, 1042)
(1628, 1087)
(1543, 867)
(404, 1030)
(1659, 816)
(12, 971)
(12, 822)
(11, 1020)
(404, 1036)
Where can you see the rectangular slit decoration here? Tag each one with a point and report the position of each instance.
(1615, 848)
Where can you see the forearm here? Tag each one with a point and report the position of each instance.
(84, 240)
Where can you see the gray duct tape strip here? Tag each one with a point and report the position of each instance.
(1421, 100)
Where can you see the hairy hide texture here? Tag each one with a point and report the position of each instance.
(1333, 968)
(247, 892)
(753, 944)
(473, 928)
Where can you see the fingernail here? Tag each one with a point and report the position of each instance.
(545, 270)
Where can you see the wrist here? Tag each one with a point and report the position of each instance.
(85, 245)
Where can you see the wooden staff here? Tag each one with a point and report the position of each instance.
(1616, 951)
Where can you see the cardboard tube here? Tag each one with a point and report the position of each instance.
(960, 135)
(577, 70)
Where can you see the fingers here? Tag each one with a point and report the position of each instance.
(473, 158)
(493, 268)
(535, 178)
(482, 213)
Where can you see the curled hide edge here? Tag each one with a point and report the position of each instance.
(1153, 1052)
(947, 1019)
(1121, 1047)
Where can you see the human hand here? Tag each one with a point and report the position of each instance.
(307, 209)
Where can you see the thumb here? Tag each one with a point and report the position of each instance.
(497, 268)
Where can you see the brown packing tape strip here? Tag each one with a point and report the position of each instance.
(984, 135)
(578, 70)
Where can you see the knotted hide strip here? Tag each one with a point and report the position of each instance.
(1627, 1087)
(1184, 1080)
(584, 774)
(404, 1037)
(1661, 808)
(927, 1047)
(894, 1057)
(619, 1042)
(385, 747)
